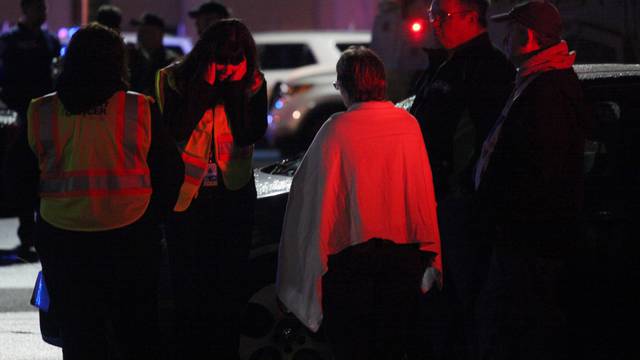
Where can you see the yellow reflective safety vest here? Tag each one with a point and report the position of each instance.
(233, 161)
(93, 166)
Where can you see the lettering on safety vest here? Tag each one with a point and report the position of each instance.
(98, 110)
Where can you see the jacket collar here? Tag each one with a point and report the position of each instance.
(556, 57)
(471, 47)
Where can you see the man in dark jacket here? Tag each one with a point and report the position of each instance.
(456, 104)
(26, 56)
(530, 188)
(149, 55)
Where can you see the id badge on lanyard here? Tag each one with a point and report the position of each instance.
(211, 177)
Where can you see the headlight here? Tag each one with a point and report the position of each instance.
(286, 89)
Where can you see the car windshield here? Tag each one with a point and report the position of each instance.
(285, 167)
(345, 46)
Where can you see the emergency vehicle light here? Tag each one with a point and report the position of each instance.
(416, 26)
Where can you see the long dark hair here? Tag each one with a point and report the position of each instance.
(93, 68)
(224, 42)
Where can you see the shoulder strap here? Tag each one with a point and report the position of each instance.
(520, 88)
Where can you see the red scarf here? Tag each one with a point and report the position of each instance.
(556, 57)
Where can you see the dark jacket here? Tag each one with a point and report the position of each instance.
(143, 67)
(466, 92)
(21, 172)
(534, 180)
(26, 66)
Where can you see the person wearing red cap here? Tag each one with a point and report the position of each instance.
(530, 187)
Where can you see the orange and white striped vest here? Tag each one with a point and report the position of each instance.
(233, 161)
(93, 166)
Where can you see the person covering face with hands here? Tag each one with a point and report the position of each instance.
(224, 72)
(215, 105)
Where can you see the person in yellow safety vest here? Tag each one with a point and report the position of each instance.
(97, 161)
(214, 103)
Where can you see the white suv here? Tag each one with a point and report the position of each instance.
(302, 64)
(281, 52)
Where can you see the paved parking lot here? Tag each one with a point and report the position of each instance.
(19, 327)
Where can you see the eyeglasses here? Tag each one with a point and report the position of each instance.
(335, 85)
(440, 15)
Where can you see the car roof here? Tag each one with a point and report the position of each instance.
(606, 71)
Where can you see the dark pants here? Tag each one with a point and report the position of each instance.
(370, 295)
(103, 286)
(453, 324)
(524, 303)
(25, 212)
(208, 251)
(26, 228)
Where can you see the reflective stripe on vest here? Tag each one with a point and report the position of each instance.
(160, 80)
(96, 185)
(195, 155)
(98, 179)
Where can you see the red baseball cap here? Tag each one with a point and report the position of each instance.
(538, 15)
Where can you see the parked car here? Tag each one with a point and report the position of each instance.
(300, 106)
(281, 52)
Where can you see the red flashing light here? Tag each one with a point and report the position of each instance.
(416, 26)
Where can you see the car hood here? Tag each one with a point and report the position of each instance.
(270, 184)
(275, 179)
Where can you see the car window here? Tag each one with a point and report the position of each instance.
(344, 46)
(284, 56)
(600, 150)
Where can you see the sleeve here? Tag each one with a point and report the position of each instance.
(181, 112)
(165, 165)
(247, 115)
